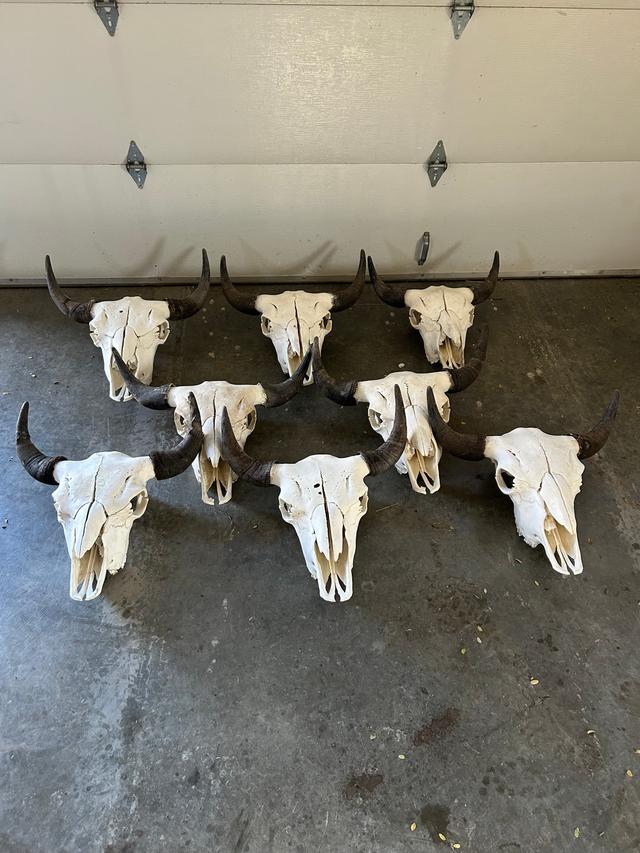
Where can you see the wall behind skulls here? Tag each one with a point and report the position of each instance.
(290, 134)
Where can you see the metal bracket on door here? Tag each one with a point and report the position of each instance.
(108, 14)
(422, 249)
(135, 165)
(437, 163)
(461, 12)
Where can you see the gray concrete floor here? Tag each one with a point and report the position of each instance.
(210, 701)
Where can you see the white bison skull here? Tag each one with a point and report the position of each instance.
(99, 498)
(442, 315)
(542, 475)
(324, 498)
(421, 456)
(294, 318)
(133, 326)
(210, 466)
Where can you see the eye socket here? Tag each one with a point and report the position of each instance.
(266, 324)
(285, 508)
(505, 479)
(326, 321)
(250, 420)
(163, 331)
(415, 317)
(364, 502)
(376, 418)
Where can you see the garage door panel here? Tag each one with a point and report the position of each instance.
(522, 4)
(298, 220)
(301, 84)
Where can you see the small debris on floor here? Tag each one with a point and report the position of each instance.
(534, 681)
(402, 756)
(442, 836)
(576, 832)
(413, 826)
(630, 773)
(478, 640)
(463, 651)
(5, 524)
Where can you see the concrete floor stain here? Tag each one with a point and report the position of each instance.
(435, 819)
(364, 784)
(437, 726)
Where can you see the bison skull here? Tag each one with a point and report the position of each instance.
(98, 499)
(422, 452)
(210, 466)
(324, 498)
(133, 326)
(442, 315)
(542, 475)
(294, 318)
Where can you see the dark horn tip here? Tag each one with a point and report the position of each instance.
(592, 442)
(224, 273)
(373, 273)
(37, 464)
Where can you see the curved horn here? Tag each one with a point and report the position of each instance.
(282, 392)
(469, 446)
(483, 289)
(180, 309)
(170, 463)
(388, 453)
(78, 311)
(346, 298)
(245, 466)
(34, 461)
(462, 377)
(342, 393)
(392, 294)
(151, 396)
(242, 301)
(593, 441)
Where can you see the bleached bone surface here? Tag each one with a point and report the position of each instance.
(542, 475)
(135, 327)
(292, 320)
(97, 501)
(442, 315)
(422, 453)
(324, 498)
(209, 466)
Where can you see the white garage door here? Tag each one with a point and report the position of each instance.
(289, 135)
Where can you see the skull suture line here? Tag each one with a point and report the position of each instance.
(294, 318)
(133, 326)
(421, 456)
(442, 315)
(99, 498)
(323, 497)
(210, 466)
(542, 475)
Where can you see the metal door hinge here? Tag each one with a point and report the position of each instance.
(108, 14)
(437, 163)
(461, 12)
(135, 164)
(422, 249)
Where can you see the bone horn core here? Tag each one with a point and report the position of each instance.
(242, 301)
(170, 463)
(347, 297)
(151, 396)
(388, 453)
(342, 393)
(392, 294)
(464, 446)
(245, 466)
(483, 289)
(180, 309)
(78, 311)
(462, 377)
(593, 441)
(35, 462)
(282, 392)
